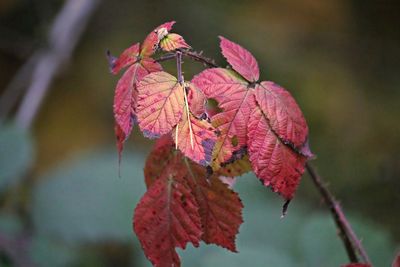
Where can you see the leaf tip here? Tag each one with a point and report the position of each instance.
(149, 134)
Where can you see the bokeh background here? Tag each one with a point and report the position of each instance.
(61, 201)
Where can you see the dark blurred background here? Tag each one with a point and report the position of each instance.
(61, 201)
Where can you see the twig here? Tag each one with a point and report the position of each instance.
(346, 233)
(64, 34)
(196, 56)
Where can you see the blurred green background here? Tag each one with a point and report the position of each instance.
(62, 203)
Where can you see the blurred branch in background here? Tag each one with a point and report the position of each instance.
(42, 67)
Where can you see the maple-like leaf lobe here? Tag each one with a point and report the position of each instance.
(160, 104)
(167, 217)
(276, 164)
(240, 59)
(283, 113)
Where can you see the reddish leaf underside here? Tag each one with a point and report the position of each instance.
(203, 138)
(167, 217)
(160, 104)
(275, 164)
(220, 208)
(173, 41)
(240, 59)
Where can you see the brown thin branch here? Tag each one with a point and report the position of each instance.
(63, 36)
(346, 233)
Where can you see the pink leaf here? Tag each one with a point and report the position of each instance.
(275, 164)
(396, 261)
(220, 208)
(167, 217)
(128, 57)
(240, 59)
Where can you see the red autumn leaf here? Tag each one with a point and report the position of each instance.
(167, 217)
(121, 137)
(284, 115)
(160, 104)
(223, 149)
(173, 41)
(195, 138)
(396, 261)
(152, 40)
(235, 99)
(275, 163)
(158, 159)
(236, 168)
(220, 208)
(240, 59)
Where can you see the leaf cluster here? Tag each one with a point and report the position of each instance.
(253, 126)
